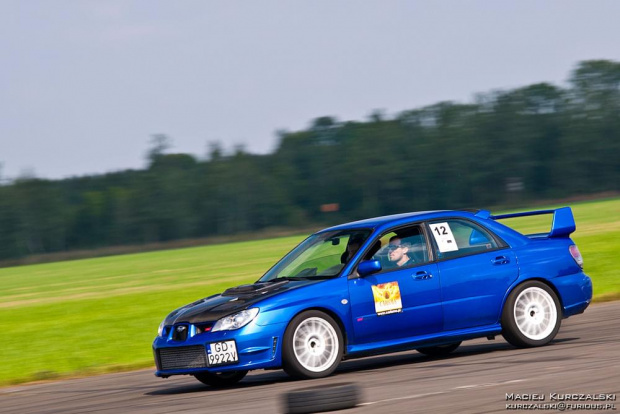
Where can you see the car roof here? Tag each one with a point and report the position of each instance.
(397, 219)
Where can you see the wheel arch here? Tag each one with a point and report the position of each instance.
(333, 315)
(533, 279)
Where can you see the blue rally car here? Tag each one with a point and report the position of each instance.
(424, 281)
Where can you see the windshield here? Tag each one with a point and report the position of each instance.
(321, 255)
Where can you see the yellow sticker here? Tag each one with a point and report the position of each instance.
(387, 298)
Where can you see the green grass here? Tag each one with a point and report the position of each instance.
(99, 315)
(598, 239)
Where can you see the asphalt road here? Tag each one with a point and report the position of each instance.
(584, 358)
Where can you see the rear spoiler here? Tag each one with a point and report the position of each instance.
(563, 223)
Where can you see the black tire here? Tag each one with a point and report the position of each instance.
(524, 319)
(326, 344)
(440, 350)
(322, 398)
(221, 379)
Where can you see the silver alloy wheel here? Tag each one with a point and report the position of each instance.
(535, 313)
(315, 344)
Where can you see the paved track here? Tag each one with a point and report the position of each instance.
(584, 358)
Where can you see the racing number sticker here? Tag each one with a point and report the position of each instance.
(444, 237)
(387, 298)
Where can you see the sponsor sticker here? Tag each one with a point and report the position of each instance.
(387, 298)
(444, 237)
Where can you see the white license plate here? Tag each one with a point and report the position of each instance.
(222, 353)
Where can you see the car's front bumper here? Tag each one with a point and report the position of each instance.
(257, 347)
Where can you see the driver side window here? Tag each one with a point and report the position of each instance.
(401, 248)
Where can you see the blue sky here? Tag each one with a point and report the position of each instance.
(84, 84)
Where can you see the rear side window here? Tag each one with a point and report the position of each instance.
(454, 238)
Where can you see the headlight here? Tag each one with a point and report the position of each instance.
(235, 321)
(160, 330)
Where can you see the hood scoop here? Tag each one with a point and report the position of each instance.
(253, 290)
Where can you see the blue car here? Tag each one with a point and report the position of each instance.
(425, 281)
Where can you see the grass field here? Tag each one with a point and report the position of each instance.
(99, 315)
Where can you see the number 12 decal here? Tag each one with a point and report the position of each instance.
(441, 230)
(444, 237)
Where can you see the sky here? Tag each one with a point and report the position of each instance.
(85, 84)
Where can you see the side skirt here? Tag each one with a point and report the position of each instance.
(404, 344)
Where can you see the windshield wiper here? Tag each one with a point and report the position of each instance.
(293, 278)
(315, 277)
(279, 279)
(297, 278)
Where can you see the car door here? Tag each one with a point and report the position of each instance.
(397, 302)
(476, 269)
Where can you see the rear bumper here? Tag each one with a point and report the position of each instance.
(575, 292)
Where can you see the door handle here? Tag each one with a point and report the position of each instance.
(422, 275)
(500, 260)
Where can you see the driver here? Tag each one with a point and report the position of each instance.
(398, 252)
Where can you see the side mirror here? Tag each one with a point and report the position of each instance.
(368, 267)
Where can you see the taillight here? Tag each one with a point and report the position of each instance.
(574, 251)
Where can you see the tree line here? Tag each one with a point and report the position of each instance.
(505, 147)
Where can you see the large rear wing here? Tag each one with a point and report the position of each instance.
(563, 223)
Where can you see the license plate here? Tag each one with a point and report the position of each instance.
(222, 353)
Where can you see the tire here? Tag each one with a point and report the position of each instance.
(438, 351)
(532, 315)
(221, 379)
(312, 345)
(322, 398)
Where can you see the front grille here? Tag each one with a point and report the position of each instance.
(182, 357)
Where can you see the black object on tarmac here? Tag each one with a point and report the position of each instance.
(322, 398)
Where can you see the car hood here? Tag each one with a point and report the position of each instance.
(232, 300)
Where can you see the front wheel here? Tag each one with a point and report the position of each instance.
(220, 379)
(532, 315)
(312, 345)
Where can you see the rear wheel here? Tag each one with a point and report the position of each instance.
(532, 315)
(221, 379)
(312, 345)
(440, 350)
